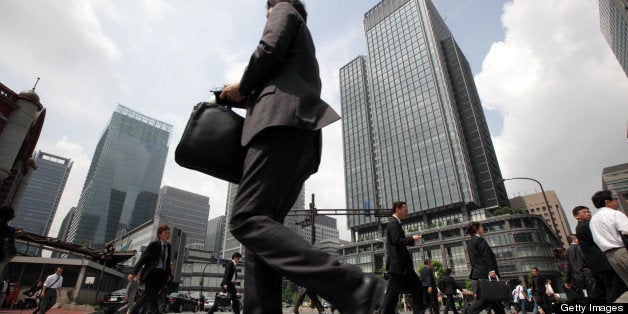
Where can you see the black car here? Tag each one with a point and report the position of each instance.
(113, 301)
(180, 302)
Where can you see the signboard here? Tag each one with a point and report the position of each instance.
(90, 280)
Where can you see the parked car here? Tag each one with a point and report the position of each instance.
(209, 302)
(225, 307)
(113, 301)
(180, 302)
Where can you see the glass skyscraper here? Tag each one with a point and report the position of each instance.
(120, 190)
(413, 125)
(36, 203)
(614, 27)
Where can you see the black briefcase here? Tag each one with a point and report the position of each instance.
(494, 290)
(211, 140)
(222, 299)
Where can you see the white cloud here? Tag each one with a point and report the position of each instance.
(563, 96)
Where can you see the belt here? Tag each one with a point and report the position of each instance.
(613, 249)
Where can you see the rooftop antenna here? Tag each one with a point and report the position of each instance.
(35, 84)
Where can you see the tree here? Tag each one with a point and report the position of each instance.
(289, 292)
(439, 270)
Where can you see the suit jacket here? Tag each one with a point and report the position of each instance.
(398, 259)
(282, 79)
(448, 285)
(149, 260)
(482, 258)
(230, 270)
(575, 262)
(538, 285)
(594, 257)
(427, 277)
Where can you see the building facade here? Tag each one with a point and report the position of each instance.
(202, 273)
(37, 200)
(21, 120)
(535, 204)
(120, 190)
(615, 179)
(215, 235)
(230, 243)
(614, 27)
(413, 125)
(185, 210)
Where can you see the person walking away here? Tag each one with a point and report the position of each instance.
(51, 289)
(483, 266)
(399, 268)
(154, 270)
(608, 285)
(448, 286)
(282, 140)
(228, 284)
(429, 285)
(520, 297)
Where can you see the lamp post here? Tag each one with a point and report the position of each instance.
(553, 222)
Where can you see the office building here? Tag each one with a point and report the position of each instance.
(215, 235)
(614, 27)
(414, 130)
(36, 203)
(120, 190)
(230, 244)
(555, 215)
(202, 273)
(615, 179)
(185, 210)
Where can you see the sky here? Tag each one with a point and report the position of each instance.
(554, 95)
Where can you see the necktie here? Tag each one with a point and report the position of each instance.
(163, 255)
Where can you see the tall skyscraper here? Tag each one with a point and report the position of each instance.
(215, 235)
(615, 179)
(185, 210)
(413, 125)
(614, 27)
(120, 190)
(414, 130)
(36, 203)
(230, 244)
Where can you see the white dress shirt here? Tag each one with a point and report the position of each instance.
(50, 281)
(606, 226)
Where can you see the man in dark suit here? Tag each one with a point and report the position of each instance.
(399, 266)
(153, 269)
(538, 291)
(228, 284)
(448, 286)
(282, 138)
(483, 267)
(429, 286)
(608, 286)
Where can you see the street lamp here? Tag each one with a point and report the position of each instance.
(544, 197)
(202, 280)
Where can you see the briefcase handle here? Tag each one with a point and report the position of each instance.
(216, 91)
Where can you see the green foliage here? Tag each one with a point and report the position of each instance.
(439, 270)
(380, 273)
(467, 284)
(289, 292)
(507, 211)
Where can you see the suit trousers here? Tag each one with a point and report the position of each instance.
(233, 295)
(155, 288)
(618, 258)
(408, 282)
(277, 163)
(48, 300)
(483, 304)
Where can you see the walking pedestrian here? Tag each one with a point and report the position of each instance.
(520, 297)
(483, 267)
(608, 285)
(610, 232)
(429, 285)
(448, 287)
(577, 272)
(228, 284)
(399, 268)
(154, 270)
(50, 290)
(282, 139)
(5, 288)
(539, 291)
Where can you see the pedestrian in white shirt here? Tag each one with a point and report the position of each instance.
(610, 232)
(51, 289)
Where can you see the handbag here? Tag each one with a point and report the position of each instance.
(211, 140)
(493, 290)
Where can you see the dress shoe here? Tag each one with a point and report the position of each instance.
(366, 297)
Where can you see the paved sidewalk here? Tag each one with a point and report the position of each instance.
(68, 309)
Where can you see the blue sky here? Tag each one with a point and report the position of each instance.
(554, 95)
